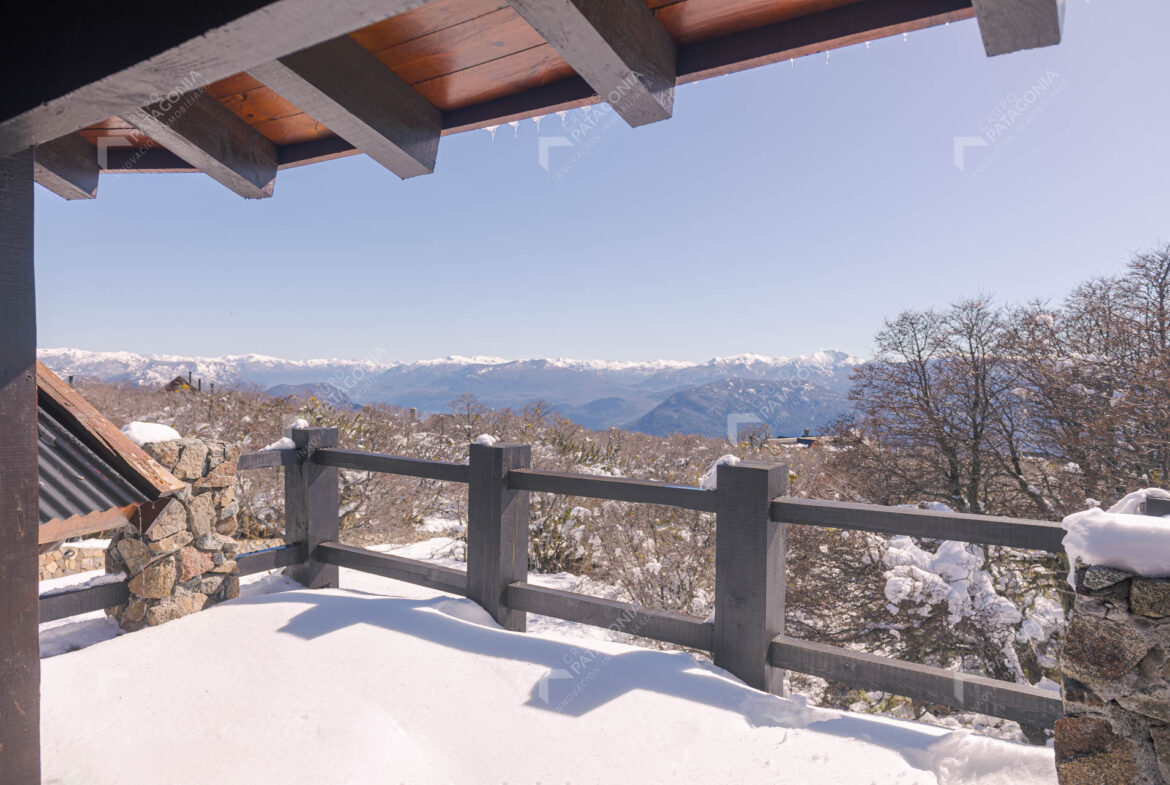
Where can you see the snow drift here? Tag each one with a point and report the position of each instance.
(383, 682)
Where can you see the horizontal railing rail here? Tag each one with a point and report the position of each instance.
(420, 573)
(665, 626)
(85, 599)
(620, 489)
(1020, 702)
(267, 459)
(930, 524)
(392, 464)
(253, 562)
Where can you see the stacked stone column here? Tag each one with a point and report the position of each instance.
(185, 560)
(1116, 674)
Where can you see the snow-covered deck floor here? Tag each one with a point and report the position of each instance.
(383, 682)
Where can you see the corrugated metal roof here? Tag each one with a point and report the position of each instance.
(73, 479)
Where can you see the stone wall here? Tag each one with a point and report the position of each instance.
(69, 560)
(185, 560)
(1116, 671)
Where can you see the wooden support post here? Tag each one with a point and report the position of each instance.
(749, 572)
(497, 530)
(311, 506)
(20, 665)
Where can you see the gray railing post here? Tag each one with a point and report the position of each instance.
(497, 529)
(749, 572)
(311, 506)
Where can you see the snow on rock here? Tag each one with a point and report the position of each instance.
(397, 682)
(150, 432)
(710, 479)
(486, 438)
(1120, 537)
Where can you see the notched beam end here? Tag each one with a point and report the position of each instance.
(1015, 25)
(68, 167)
(209, 136)
(617, 46)
(642, 100)
(352, 93)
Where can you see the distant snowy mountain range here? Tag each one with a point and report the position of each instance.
(660, 397)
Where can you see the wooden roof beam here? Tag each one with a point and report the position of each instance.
(212, 138)
(1011, 25)
(617, 46)
(99, 60)
(847, 25)
(68, 167)
(348, 90)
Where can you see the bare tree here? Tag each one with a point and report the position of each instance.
(934, 415)
(1095, 382)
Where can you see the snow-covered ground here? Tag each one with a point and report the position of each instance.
(384, 682)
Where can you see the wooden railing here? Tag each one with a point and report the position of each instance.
(752, 513)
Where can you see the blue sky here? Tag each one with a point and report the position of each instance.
(780, 211)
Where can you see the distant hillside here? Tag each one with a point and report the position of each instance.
(240, 370)
(320, 390)
(733, 405)
(594, 393)
(597, 394)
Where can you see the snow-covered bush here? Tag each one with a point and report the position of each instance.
(556, 537)
(990, 612)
